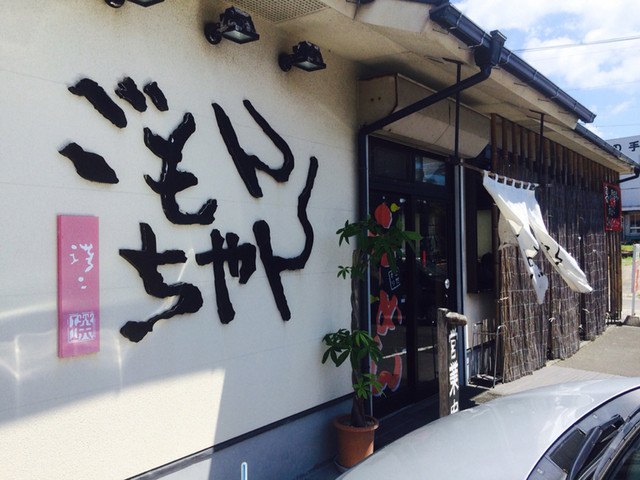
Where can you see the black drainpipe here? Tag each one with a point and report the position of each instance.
(636, 174)
(485, 58)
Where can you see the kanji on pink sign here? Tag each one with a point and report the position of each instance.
(78, 286)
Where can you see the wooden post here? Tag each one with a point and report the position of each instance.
(561, 177)
(556, 163)
(505, 143)
(547, 161)
(448, 361)
(515, 145)
(570, 177)
(530, 150)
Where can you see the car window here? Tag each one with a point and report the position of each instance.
(592, 446)
(577, 453)
(628, 467)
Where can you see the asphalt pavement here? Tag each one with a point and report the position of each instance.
(615, 353)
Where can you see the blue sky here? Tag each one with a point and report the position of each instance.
(602, 72)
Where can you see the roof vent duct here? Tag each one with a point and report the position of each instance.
(277, 11)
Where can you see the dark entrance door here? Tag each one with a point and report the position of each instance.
(404, 304)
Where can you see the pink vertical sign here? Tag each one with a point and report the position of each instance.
(78, 286)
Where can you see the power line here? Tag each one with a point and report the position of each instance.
(617, 126)
(583, 44)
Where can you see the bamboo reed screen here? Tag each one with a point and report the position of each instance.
(571, 199)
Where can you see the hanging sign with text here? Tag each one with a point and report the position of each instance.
(78, 286)
(612, 207)
(447, 359)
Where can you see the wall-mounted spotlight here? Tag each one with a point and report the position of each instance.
(235, 25)
(119, 3)
(305, 55)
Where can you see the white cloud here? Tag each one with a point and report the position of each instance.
(605, 76)
(585, 20)
(560, 22)
(623, 106)
(505, 14)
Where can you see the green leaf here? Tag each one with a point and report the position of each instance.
(343, 356)
(376, 355)
(325, 357)
(343, 271)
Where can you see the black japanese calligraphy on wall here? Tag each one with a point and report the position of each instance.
(172, 180)
(226, 248)
(146, 261)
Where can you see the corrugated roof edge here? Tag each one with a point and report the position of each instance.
(595, 139)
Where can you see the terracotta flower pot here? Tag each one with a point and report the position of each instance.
(354, 443)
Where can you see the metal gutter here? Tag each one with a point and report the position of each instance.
(610, 149)
(593, 138)
(449, 17)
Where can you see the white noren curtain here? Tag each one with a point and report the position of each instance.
(521, 224)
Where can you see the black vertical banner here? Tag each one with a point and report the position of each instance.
(612, 207)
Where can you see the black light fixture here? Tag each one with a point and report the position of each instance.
(235, 25)
(305, 55)
(119, 3)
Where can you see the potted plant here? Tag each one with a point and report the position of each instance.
(376, 243)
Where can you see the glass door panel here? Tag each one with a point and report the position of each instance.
(388, 303)
(414, 187)
(432, 282)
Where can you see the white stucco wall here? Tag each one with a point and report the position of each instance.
(192, 382)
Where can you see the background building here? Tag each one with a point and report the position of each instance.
(630, 146)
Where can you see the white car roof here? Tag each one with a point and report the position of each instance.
(503, 438)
